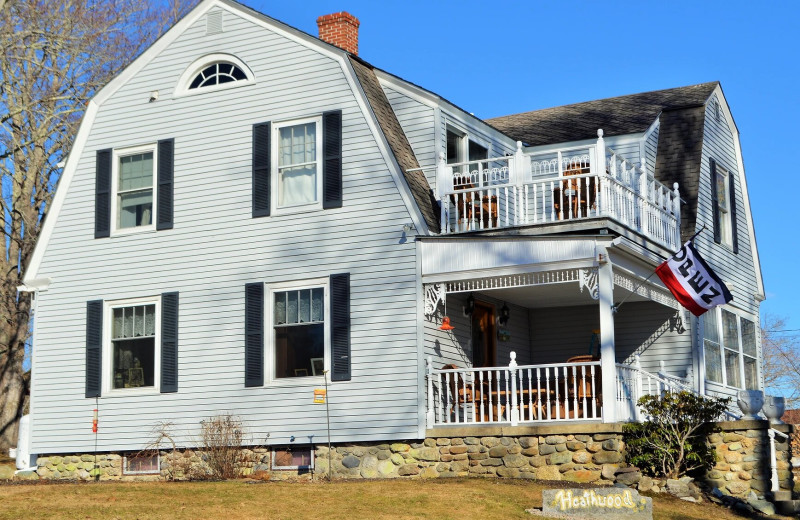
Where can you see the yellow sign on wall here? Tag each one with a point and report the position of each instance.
(319, 396)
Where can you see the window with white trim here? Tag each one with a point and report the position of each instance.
(132, 346)
(141, 464)
(213, 72)
(299, 337)
(298, 146)
(294, 457)
(730, 349)
(133, 200)
(217, 74)
(723, 204)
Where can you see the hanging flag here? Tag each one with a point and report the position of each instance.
(692, 282)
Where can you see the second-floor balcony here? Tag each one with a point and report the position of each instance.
(557, 186)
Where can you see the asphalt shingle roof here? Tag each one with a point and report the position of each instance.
(616, 116)
(398, 142)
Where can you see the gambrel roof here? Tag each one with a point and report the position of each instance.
(398, 142)
(631, 114)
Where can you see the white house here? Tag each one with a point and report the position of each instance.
(247, 207)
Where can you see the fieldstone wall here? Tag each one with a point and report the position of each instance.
(582, 453)
(105, 466)
(589, 457)
(743, 458)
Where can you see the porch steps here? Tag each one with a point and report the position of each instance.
(784, 505)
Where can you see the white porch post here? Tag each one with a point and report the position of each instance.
(605, 285)
(429, 416)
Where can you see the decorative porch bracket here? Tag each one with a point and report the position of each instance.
(588, 280)
(435, 294)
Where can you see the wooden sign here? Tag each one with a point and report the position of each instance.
(596, 503)
(319, 396)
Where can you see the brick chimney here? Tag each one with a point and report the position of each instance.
(340, 29)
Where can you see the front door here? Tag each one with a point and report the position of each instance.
(484, 333)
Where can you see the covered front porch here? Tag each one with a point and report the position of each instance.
(543, 338)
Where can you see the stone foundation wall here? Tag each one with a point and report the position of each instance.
(743, 458)
(583, 453)
(573, 453)
(578, 457)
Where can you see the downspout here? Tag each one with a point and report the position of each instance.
(25, 460)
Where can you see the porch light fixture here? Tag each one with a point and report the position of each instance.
(469, 306)
(505, 313)
(446, 324)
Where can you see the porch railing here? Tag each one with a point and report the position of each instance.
(633, 383)
(556, 186)
(516, 394)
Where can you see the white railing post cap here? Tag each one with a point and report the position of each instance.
(599, 132)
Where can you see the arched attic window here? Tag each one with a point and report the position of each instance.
(214, 72)
(217, 74)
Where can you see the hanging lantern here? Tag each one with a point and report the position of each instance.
(469, 306)
(446, 324)
(505, 313)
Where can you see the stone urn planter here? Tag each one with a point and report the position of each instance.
(750, 402)
(774, 408)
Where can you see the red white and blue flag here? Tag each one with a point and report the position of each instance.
(692, 282)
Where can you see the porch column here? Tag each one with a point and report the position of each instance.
(605, 286)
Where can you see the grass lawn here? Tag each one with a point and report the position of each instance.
(240, 500)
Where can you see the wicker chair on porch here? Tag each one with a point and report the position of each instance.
(470, 206)
(463, 394)
(581, 381)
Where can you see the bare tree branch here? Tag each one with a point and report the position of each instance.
(781, 360)
(54, 56)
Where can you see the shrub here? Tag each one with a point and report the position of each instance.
(673, 442)
(221, 441)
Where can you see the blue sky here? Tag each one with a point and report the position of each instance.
(497, 57)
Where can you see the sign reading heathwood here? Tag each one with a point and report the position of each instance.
(596, 503)
(692, 282)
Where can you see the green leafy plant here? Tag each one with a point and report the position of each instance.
(673, 442)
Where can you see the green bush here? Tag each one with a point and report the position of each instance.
(673, 442)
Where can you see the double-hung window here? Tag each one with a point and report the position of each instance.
(730, 349)
(723, 206)
(133, 198)
(132, 348)
(299, 179)
(298, 332)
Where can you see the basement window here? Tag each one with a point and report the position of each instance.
(141, 464)
(300, 458)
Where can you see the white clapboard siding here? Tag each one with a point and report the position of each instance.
(650, 330)
(737, 270)
(216, 247)
(418, 121)
(651, 150)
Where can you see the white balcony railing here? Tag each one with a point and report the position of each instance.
(516, 394)
(634, 383)
(557, 186)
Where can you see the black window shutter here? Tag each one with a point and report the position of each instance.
(732, 203)
(332, 159)
(166, 161)
(715, 202)
(169, 342)
(102, 194)
(261, 169)
(94, 347)
(254, 334)
(340, 326)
